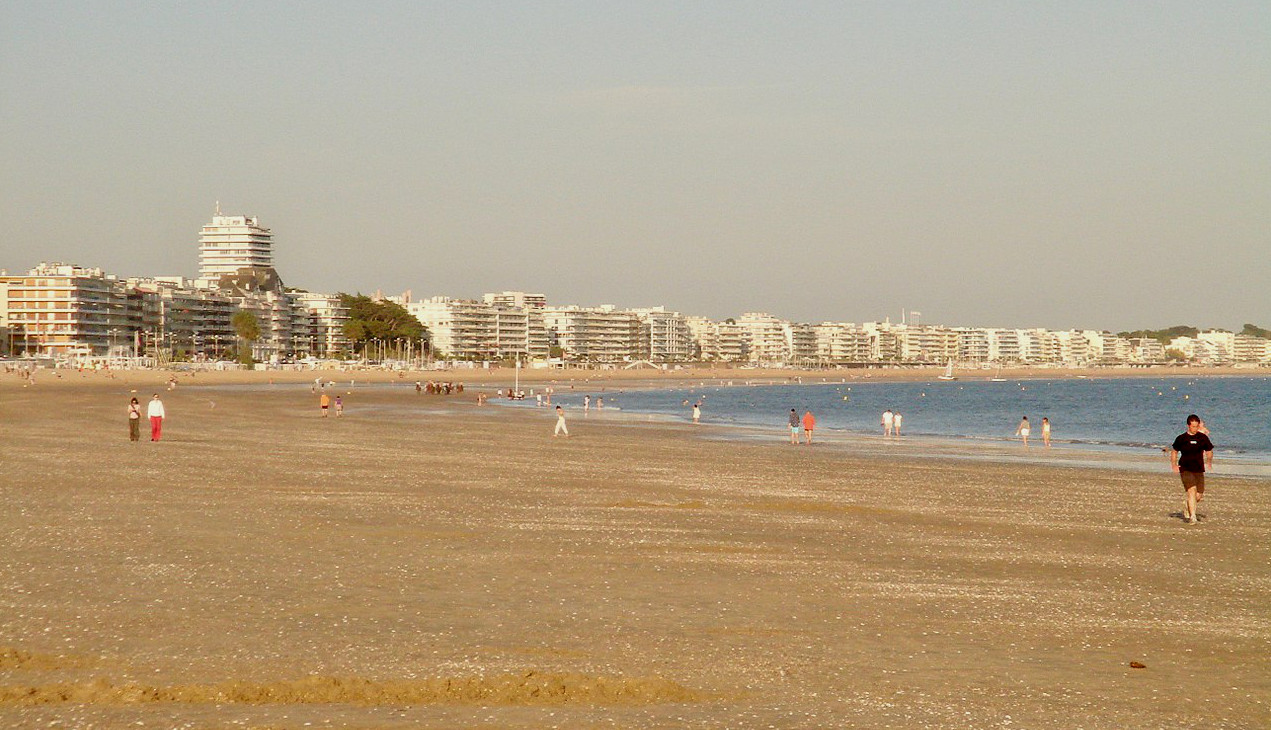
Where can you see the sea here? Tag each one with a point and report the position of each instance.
(1124, 414)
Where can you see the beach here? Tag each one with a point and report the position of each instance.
(423, 561)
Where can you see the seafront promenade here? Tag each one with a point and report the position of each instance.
(426, 562)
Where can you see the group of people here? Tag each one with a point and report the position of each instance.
(1025, 429)
(154, 411)
(892, 422)
(436, 388)
(807, 424)
(325, 403)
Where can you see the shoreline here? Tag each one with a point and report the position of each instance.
(422, 540)
(502, 376)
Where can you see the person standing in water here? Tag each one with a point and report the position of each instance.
(697, 412)
(888, 418)
(1190, 454)
(809, 423)
(1023, 430)
(794, 427)
(1046, 431)
(897, 420)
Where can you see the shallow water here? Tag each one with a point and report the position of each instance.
(1115, 414)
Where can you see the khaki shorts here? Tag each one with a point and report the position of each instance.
(1193, 479)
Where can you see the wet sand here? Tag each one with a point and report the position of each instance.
(424, 562)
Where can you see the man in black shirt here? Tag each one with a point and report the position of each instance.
(1189, 455)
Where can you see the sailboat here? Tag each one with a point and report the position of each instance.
(948, 372)
(998, 378)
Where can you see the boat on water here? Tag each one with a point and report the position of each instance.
(948, 372)
(998, 378)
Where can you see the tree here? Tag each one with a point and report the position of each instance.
(1255, 331)
(384, 321)
(247, 327)
(1163, 336)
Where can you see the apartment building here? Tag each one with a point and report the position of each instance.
(61, 310)
(322, 332)
(840, 342)
(664, 336)
(764, 336)
(595, 334)
(233, 242)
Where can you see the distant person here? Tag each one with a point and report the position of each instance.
(1190, 454)
(419, 388)
(134, 420)
(809, 423)
(156, 413)
(586, 403)
(600, 402)
(1046, 431)
(888, 419)
(560, 423)
(339, 407)
(897, 420)
(697, 413)
(325, 404)
(1023, 430)
(794, 427)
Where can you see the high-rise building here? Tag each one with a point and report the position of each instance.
(233, 242)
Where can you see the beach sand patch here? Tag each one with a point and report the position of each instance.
(637, 504)
(527, 688)
(16, 659)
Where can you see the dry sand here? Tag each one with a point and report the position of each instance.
(424, 562)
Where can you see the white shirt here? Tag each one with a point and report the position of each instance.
(155, 409)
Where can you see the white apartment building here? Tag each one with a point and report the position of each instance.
(516, 300)
(1223, 344)
(597, 334)
(1247, 348)
(61, 310)
(765, 337)
(665, 336)
(233, 242)
(323, 332)
(460, 329)
(465, 329)
(800, 342)
(927, 343)
(840, 342)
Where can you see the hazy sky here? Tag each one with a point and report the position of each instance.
(1066, 164)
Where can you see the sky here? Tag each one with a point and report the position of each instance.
(1068, 164)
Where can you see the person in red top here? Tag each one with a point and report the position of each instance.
(809, 423)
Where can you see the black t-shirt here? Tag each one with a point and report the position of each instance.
(1191, 450)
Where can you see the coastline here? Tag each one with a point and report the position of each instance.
(628, 378)
(707, 582)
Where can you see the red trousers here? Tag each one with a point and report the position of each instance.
(156, 427)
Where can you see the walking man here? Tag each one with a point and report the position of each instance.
(560, 423)
(809, 423)
(1189, 455)
(897, 420)
(888, 416)
(325, 404)
(794, 427)
(156, 413)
